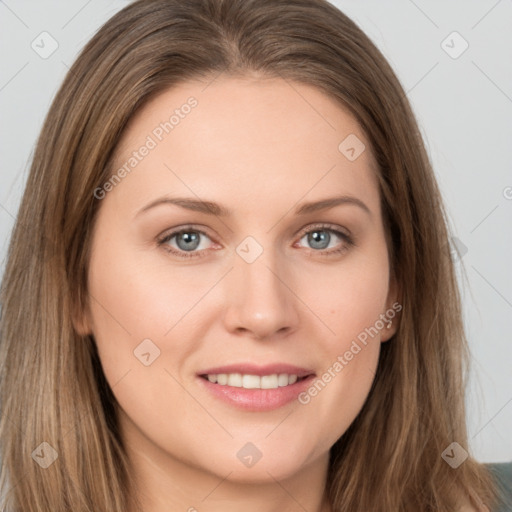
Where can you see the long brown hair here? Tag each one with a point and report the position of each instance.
(52, 388)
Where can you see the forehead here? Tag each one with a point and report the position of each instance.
(257, 138)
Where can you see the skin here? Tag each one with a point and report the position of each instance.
(259, 147)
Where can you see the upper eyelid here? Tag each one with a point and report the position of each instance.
(168, 234)
(326, 226)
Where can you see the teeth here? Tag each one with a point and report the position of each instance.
(282, 380)
(253, 381)
(235, 380)
(270, 381)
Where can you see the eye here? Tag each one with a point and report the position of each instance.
(189, 241)
(186, 242)
(323, 238)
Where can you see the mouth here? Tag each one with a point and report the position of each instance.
(256, 388)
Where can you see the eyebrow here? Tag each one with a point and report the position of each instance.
(211, 208)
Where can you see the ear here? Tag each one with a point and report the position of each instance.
(80, 319)
(392, 312)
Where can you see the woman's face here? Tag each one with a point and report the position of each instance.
(213, 339)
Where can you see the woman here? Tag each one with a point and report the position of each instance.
(231, 278)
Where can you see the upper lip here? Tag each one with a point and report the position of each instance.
(252, 369)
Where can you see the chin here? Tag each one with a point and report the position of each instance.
(276, 465)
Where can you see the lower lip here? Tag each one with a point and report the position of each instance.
(257, 400)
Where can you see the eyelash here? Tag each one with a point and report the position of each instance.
(162, 242)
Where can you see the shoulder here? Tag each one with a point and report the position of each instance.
(502, 473)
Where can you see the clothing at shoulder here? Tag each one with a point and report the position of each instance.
(503, 476)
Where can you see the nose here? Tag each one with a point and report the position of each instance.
(260, 300)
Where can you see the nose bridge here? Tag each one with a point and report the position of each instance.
(259, 300)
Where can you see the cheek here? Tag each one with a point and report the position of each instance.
(135, 299)
(140, 297)
(134, 303)
(349, 297)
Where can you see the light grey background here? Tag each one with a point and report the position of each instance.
(463, 106)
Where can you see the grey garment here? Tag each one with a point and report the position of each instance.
(502, 473)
